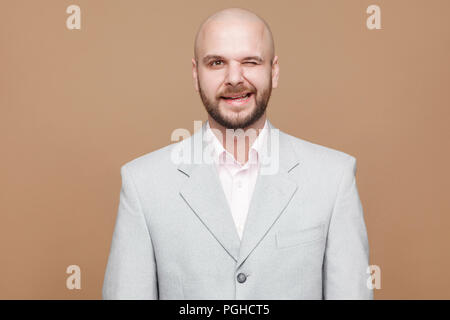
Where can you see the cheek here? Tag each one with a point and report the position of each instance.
(258, 79)
(210, 82)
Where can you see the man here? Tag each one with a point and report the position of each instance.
(242, 223)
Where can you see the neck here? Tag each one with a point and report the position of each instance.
(237, 142)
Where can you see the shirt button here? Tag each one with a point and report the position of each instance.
(241, 277)
(239, 184)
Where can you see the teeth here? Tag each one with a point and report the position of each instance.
(238, 97)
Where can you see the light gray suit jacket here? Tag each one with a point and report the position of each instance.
(304, 238)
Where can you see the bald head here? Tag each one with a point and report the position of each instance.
(222, 23)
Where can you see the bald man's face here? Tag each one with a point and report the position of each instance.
(233, 73)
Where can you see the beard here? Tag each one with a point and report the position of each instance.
(236, 122)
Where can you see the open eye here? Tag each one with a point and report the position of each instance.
(215, 63)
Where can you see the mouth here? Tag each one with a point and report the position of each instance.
(238, 99)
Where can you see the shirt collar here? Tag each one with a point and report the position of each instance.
(222, 156)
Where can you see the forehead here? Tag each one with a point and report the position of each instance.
(233, 40)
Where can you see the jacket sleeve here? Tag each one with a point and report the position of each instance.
(131, 268)
(346, 259)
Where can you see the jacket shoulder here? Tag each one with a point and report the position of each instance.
(158, 160)
(322, 155)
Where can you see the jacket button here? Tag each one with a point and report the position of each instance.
(241, 277)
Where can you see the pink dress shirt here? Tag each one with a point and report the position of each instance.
(238, 181)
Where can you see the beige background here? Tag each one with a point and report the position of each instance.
(76, 105)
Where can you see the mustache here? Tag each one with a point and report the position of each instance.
(236, 91)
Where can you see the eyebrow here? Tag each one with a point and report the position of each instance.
(216, 57)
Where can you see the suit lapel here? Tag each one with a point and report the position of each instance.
(273, 192)
(204, 194)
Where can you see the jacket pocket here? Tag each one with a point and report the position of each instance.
(290, 238)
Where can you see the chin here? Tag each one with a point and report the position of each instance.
(236, 117)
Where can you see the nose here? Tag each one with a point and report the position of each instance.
(234, 74)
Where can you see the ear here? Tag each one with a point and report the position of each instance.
(194, 74)
(275, 72)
